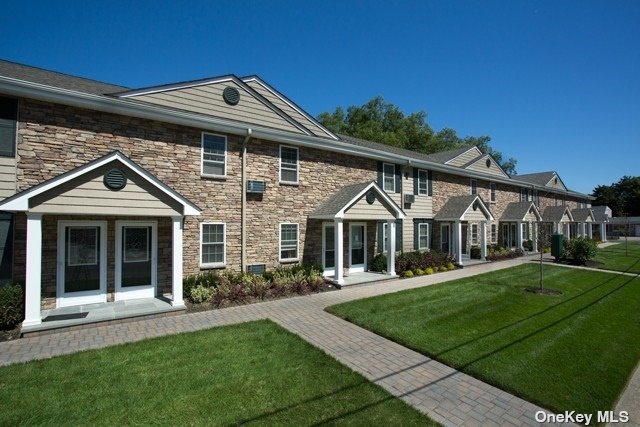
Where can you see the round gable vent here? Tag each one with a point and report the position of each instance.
(371, 197)
(231, 95)
(488, 163)
(115, 179)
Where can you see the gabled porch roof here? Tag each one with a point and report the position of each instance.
(583, 215)
(461, 208)
(518, 211)
(340, 204)
(556, 214)
(26, 200)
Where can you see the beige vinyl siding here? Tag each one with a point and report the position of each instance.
(407, 223)
(465, 157)
(287, 109)
(554, 185)
(530, 216)
(207, 99)
(362, 210)
(565, 218)
(471, 215)
(7, 177)
(422, 207)
(88, 195)
(481, 166)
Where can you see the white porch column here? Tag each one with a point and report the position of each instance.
(603, 232)
(337, 245)
(458, 241)
(590, 230)
(534, 236)
(567, 231)
(176, 261)
(483, 242)
(391, 248)
(519, 241)
(33, 284)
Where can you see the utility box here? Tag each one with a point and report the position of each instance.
(557, 248)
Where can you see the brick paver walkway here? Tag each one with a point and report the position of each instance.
(444, 394)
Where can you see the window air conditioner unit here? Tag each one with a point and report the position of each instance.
(256, 186)
(409, 198)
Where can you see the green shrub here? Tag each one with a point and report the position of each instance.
(408, 274)
(451, 266)
(11, 306)
(379, 263)
(475, 252)
(412, 260)
(428, 271)
(200, 294)
(418, 272)
(443, 268)
(581, 249)
(528, 245)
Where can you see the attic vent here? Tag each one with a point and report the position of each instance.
(371, 197)
(555, 180)
(488, 163)
(231, 95)
(115, 179)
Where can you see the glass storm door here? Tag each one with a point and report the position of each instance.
(328, 242)
(513, 234)
(81, 263)
(136, 248)
(444, 238)
(465, 231)
(357, 247)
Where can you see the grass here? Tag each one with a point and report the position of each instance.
(615, 257)
(574, 351)
(249, 373)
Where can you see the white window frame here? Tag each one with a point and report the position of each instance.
(297, 258)
(202, 160)
(494, 233)
(420, 235)
(474, 234)
(224, 246)
(325, 226)
(524, 231)
(426, 182)
(296, 182)
(384, 181)
(493, 192)
(473, 186)
(385, 236)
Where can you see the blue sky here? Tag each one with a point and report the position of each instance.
(556, 84)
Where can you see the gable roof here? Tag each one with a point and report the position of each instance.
(516, 211)
(498, 169)
(601, 213)
(582, 214)
(56, 79)
(555, 213)
(340, 201)
(541, 178)
(19, 202)
(288, 106)
(456, 207)
(446, 156)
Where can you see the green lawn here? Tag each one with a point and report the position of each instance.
(250, 373)
(616, 257)
(574, 351)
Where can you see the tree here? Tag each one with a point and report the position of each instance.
(383, 122)
(543, 240)
(622, 196)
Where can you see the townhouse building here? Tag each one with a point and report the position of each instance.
(111, 194)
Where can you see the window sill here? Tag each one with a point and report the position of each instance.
(289, 260)
(216, 177)
(212, 266)
(292, 184)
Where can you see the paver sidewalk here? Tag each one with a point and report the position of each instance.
(444, 394)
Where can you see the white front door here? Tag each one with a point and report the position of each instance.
(136, 259)
(82, 263)
(357, 247)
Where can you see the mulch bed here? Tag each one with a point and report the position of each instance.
(11, 334)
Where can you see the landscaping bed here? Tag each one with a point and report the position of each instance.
(253, 372)
(572, 351)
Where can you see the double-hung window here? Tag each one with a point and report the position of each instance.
(474, 186)
(288, 242)
(423, 236)
(8, 118)
(389, 177)
(474, 234)
(423, 183)
(494, 233)
(289, 165)
(214, 155)
(494, 192)
(212, 245)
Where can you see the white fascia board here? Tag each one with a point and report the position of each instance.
(399, 213)
(129, 107)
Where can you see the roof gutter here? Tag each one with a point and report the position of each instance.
(129, 107)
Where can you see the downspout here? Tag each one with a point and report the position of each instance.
(243, 207)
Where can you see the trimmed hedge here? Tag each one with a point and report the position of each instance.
(410, 261)
(11, 306)
(497, 253)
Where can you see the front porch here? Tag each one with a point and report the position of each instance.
(361, 278)
(78, 316)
